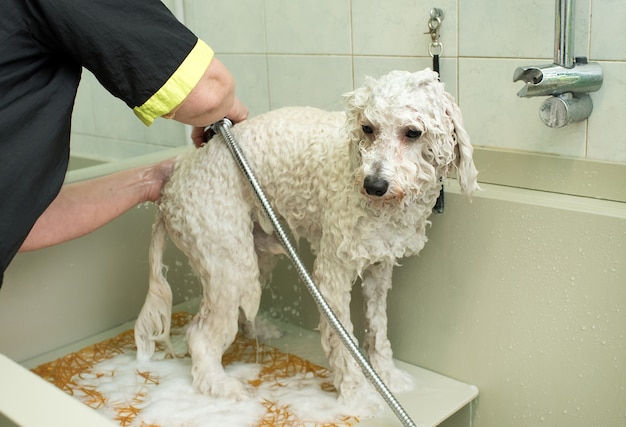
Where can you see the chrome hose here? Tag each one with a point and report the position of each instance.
(223, 127)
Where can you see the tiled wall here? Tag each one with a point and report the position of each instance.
(286, 52)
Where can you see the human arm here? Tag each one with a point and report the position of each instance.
(239, 113)
(212, 99)
(82, 207)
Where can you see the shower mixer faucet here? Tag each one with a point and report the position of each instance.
(567, 82)
(553, 79)
(567, 88)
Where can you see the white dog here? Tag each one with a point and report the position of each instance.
(357, 185)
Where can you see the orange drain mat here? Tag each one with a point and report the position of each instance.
(286, 390)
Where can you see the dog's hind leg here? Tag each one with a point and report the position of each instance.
(227, 267)
(153, 323)
(376, 285)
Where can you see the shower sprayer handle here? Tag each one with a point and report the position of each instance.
(211, 130)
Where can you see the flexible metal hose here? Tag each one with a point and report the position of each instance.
(223, 127)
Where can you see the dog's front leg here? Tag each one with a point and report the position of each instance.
(335, 281)
(376, 285)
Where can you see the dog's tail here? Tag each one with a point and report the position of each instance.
(153, 323)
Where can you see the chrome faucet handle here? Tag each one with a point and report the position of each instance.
(553, 79)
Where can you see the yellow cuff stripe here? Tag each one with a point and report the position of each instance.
(178, 86)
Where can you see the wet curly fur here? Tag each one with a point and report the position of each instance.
(358, 185)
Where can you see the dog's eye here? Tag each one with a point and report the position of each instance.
(367, 129)
(413, 133)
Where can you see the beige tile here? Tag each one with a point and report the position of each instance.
(523, 29)
(496, 117)
(607, 126)
(317, 81)
(507, 29)
(166, 133)
(608, 37)
(250, 72)
(228, 26)
(114, 118)
(308, 26)
(398, 27)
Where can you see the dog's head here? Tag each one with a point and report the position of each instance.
(407, 133)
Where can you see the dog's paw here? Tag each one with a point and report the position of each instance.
(145, 348)
(227, 388)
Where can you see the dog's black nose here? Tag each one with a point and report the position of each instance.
(375, 186)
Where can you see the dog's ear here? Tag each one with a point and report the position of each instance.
(355, 102)
(465, 168)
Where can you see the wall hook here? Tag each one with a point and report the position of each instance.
(434, 25)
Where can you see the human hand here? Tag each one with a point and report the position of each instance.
(237, 113)
(155, 177)
(197, 136)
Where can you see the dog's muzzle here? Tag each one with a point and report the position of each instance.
(375, 186)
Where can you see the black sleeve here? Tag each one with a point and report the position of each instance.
(131, 46)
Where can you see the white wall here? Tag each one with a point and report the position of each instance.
(309, 52)
(285, 52)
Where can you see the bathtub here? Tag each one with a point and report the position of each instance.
(519, 293)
